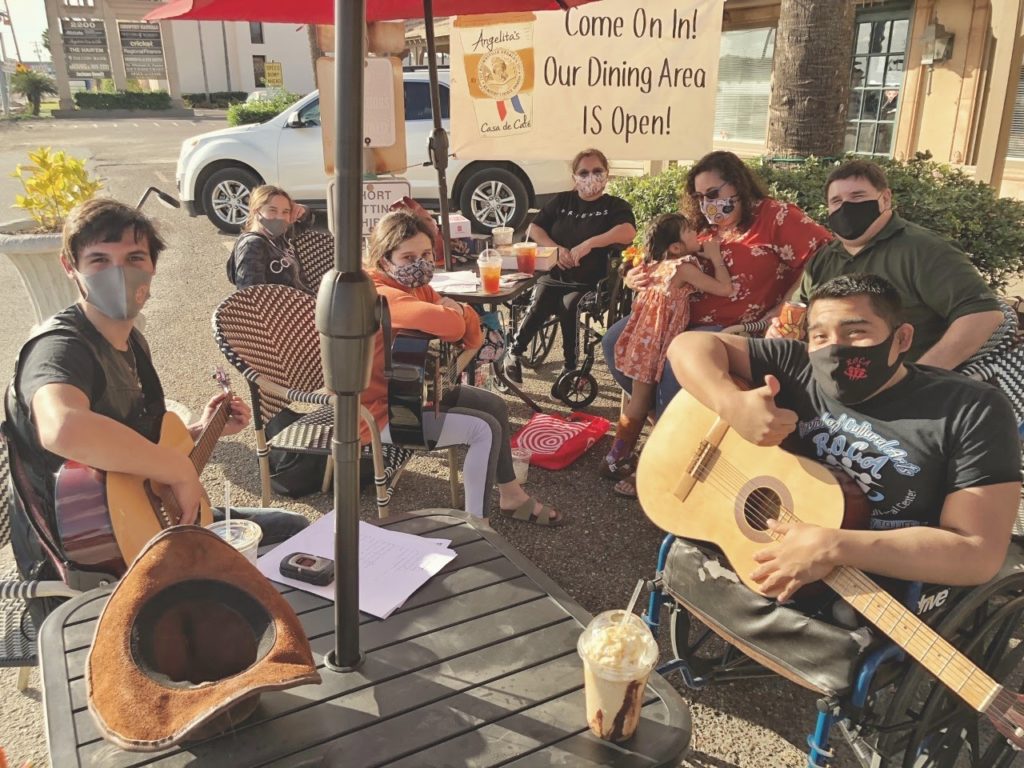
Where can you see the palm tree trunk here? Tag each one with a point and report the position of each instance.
(810, 92)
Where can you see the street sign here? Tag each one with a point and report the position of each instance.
(85, 48)
(273, 74)
(142, 49)
(378, 197)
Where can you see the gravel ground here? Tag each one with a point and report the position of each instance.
(598, 557)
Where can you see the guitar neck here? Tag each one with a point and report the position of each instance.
(207, 441)
(919, 640)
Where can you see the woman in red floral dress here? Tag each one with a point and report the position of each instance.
(765, 244)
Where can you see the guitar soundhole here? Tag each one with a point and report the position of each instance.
(761, 505)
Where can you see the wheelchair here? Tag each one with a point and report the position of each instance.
(892, 712)
(596, 311)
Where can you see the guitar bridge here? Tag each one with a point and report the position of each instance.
(703, 459)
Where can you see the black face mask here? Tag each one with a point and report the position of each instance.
(853, 374)
(851, 220)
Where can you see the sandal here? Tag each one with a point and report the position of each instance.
(618, 470)
(626, 487)
(527, 513)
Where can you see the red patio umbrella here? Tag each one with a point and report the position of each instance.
(322, 11)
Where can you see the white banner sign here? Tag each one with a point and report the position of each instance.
(636, 81)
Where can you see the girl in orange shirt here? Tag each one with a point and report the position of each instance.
(401, 263)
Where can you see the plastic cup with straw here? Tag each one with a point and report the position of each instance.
(619, 652)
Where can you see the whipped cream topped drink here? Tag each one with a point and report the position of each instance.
(617, 660)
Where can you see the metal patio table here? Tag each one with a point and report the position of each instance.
(478, 668)
(491, 301)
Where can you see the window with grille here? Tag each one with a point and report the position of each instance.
(259, 71)
(1016, 147)
(744, 84)
(876, 84)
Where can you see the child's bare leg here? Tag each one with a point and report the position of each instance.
(631, 422)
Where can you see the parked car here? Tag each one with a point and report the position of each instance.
(217, 170)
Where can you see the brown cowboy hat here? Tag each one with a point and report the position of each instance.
(187, 641)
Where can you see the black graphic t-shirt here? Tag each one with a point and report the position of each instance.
(569, 220)
(931, 434)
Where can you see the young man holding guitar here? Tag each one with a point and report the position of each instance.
(85, 388)
(934, 460)
(936, 454)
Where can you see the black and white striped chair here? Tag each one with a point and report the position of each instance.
(17, 629)
(314, 248)
(268, 333)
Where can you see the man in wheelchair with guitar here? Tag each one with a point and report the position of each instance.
(85, 391)
(928, 458)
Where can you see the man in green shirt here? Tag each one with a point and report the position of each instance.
(952, 309)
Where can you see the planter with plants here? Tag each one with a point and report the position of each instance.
(54, 183)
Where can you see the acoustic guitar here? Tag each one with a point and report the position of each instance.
(105, 518)
(420, 371)
(698, 479)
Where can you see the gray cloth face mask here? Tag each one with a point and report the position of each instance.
(274, 227)
(118, 292)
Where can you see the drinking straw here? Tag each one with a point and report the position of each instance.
(227, 510)
(632, 602)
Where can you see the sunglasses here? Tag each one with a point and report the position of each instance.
(711, 194)
(597, 173)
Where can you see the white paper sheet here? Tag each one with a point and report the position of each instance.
(455, 281)
(392, 564)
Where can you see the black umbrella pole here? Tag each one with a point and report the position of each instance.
(438, 147)
(347, 318)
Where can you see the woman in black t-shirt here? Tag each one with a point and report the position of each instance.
(584, 224)
(263, 252)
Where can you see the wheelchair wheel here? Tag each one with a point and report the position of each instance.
(541, 345)
(576, 389)
(930, 726)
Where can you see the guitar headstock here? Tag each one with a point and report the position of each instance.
(221, 377)
(1007, 715)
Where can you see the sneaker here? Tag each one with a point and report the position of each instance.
(513, 369)
(554, 384)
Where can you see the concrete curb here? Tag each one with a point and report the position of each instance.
(119, 114)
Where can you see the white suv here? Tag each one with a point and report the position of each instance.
(217, 170)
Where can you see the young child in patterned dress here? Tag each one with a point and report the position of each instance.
(661, 311)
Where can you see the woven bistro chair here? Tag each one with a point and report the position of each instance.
(314, 248)
(268, 333)
(17, 629)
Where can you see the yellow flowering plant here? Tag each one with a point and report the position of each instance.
(54, 183)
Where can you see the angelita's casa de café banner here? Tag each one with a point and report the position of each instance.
(635, 80)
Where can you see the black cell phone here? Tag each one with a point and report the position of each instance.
(312, 569)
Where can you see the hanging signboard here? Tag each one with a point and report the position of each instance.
(273, 74)
(85, 48)
(378, 197)
(635, 80)
(143, 51)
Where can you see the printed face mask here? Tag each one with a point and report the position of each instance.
(117, 292)
(274, 227)
(853, 374)
(851, 220)
(592, 185)
(410, 275)
(716, 210)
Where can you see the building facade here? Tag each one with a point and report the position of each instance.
(107, 39)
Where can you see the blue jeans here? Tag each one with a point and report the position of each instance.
(667, 387)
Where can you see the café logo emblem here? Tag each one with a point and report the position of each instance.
(500, 73)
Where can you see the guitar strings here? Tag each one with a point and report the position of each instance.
(761, 511)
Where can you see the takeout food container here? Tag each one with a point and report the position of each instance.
(546, 258)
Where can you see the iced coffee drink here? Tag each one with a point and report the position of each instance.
(497, 53)
(617, 660)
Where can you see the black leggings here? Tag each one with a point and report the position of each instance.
(552, 297)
